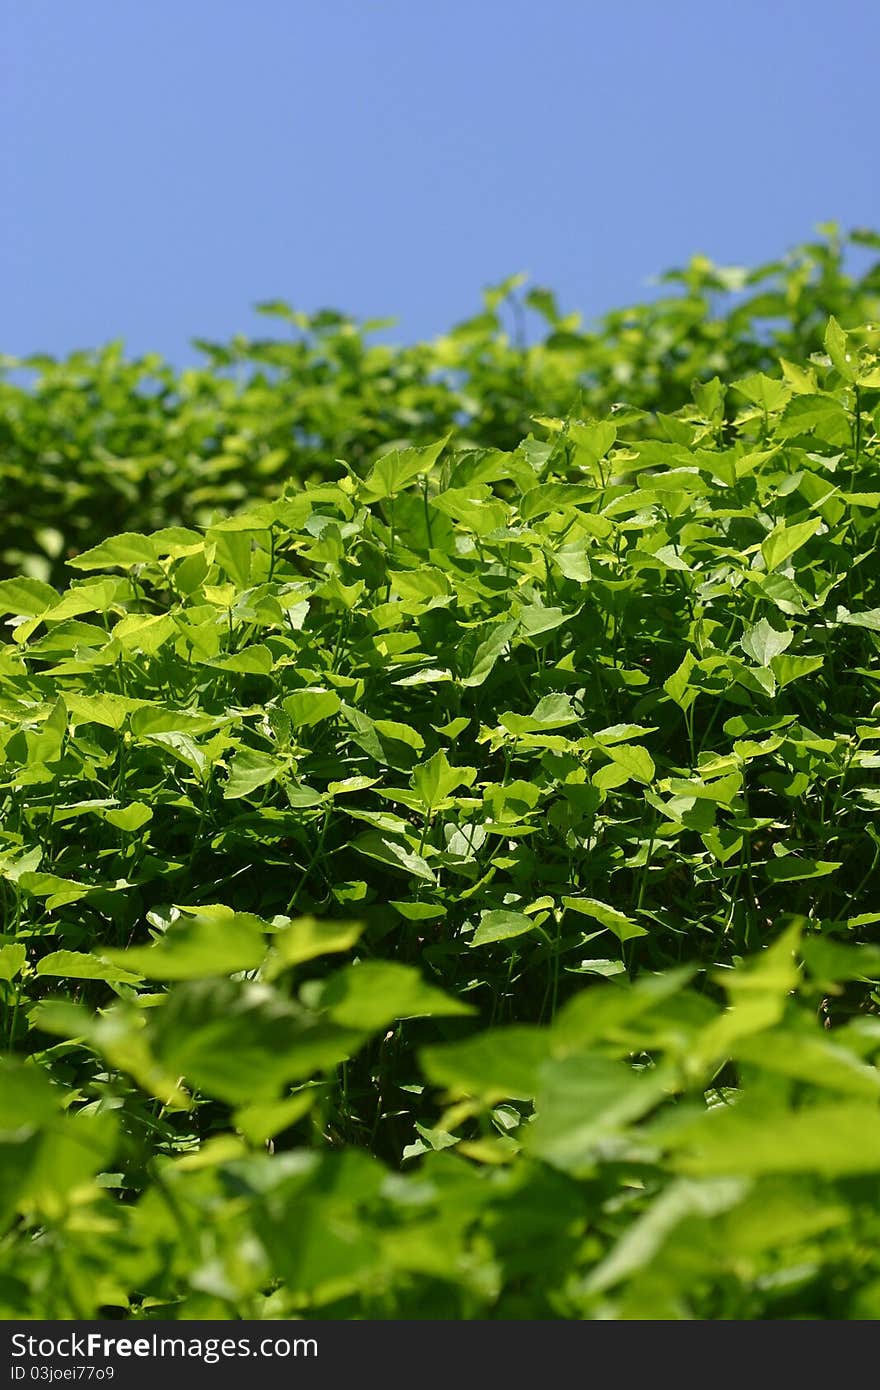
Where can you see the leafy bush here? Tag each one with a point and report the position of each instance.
(95, 444)
(444, 888)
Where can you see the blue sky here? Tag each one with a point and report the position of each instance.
(166, 165)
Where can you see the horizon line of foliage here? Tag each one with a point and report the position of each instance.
(94, 443)
(446, 886)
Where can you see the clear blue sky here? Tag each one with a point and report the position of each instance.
(167, 163)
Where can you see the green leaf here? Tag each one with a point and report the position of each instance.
(307, 707)
(13, 958)
(623, 927)
(587, 1101)
(27, 1097)
(810, 1058)
(58, 892)
(243, 1043)
(306, 939)
(119, 552)
(552, 712)
(129, 818)
(650, 1231)
(250, 661)
(678, 687)
(536, 619)
(500, 924)
(315, 1230)
(805, 414)
(496, 1064)
(869, 619)
(374, 993)
(394, 854)
(633, 761)
(836, 347)
(250, 770)
(202, 941)
(832, 1140)
(80, 965)
(784, 540)
(418, 912)
(791, 868)
(434, 780)
(27, 598)
(488, 653)
(792, 668)
(763, 391)
(832, 962)
(259, 1123)
(762, 642)
(394, 470)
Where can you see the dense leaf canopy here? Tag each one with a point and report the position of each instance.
(438, 850)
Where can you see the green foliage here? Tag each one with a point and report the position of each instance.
(444, 886)
(95, 444)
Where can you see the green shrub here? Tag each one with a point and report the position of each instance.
(95, 444)
(445, 889)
